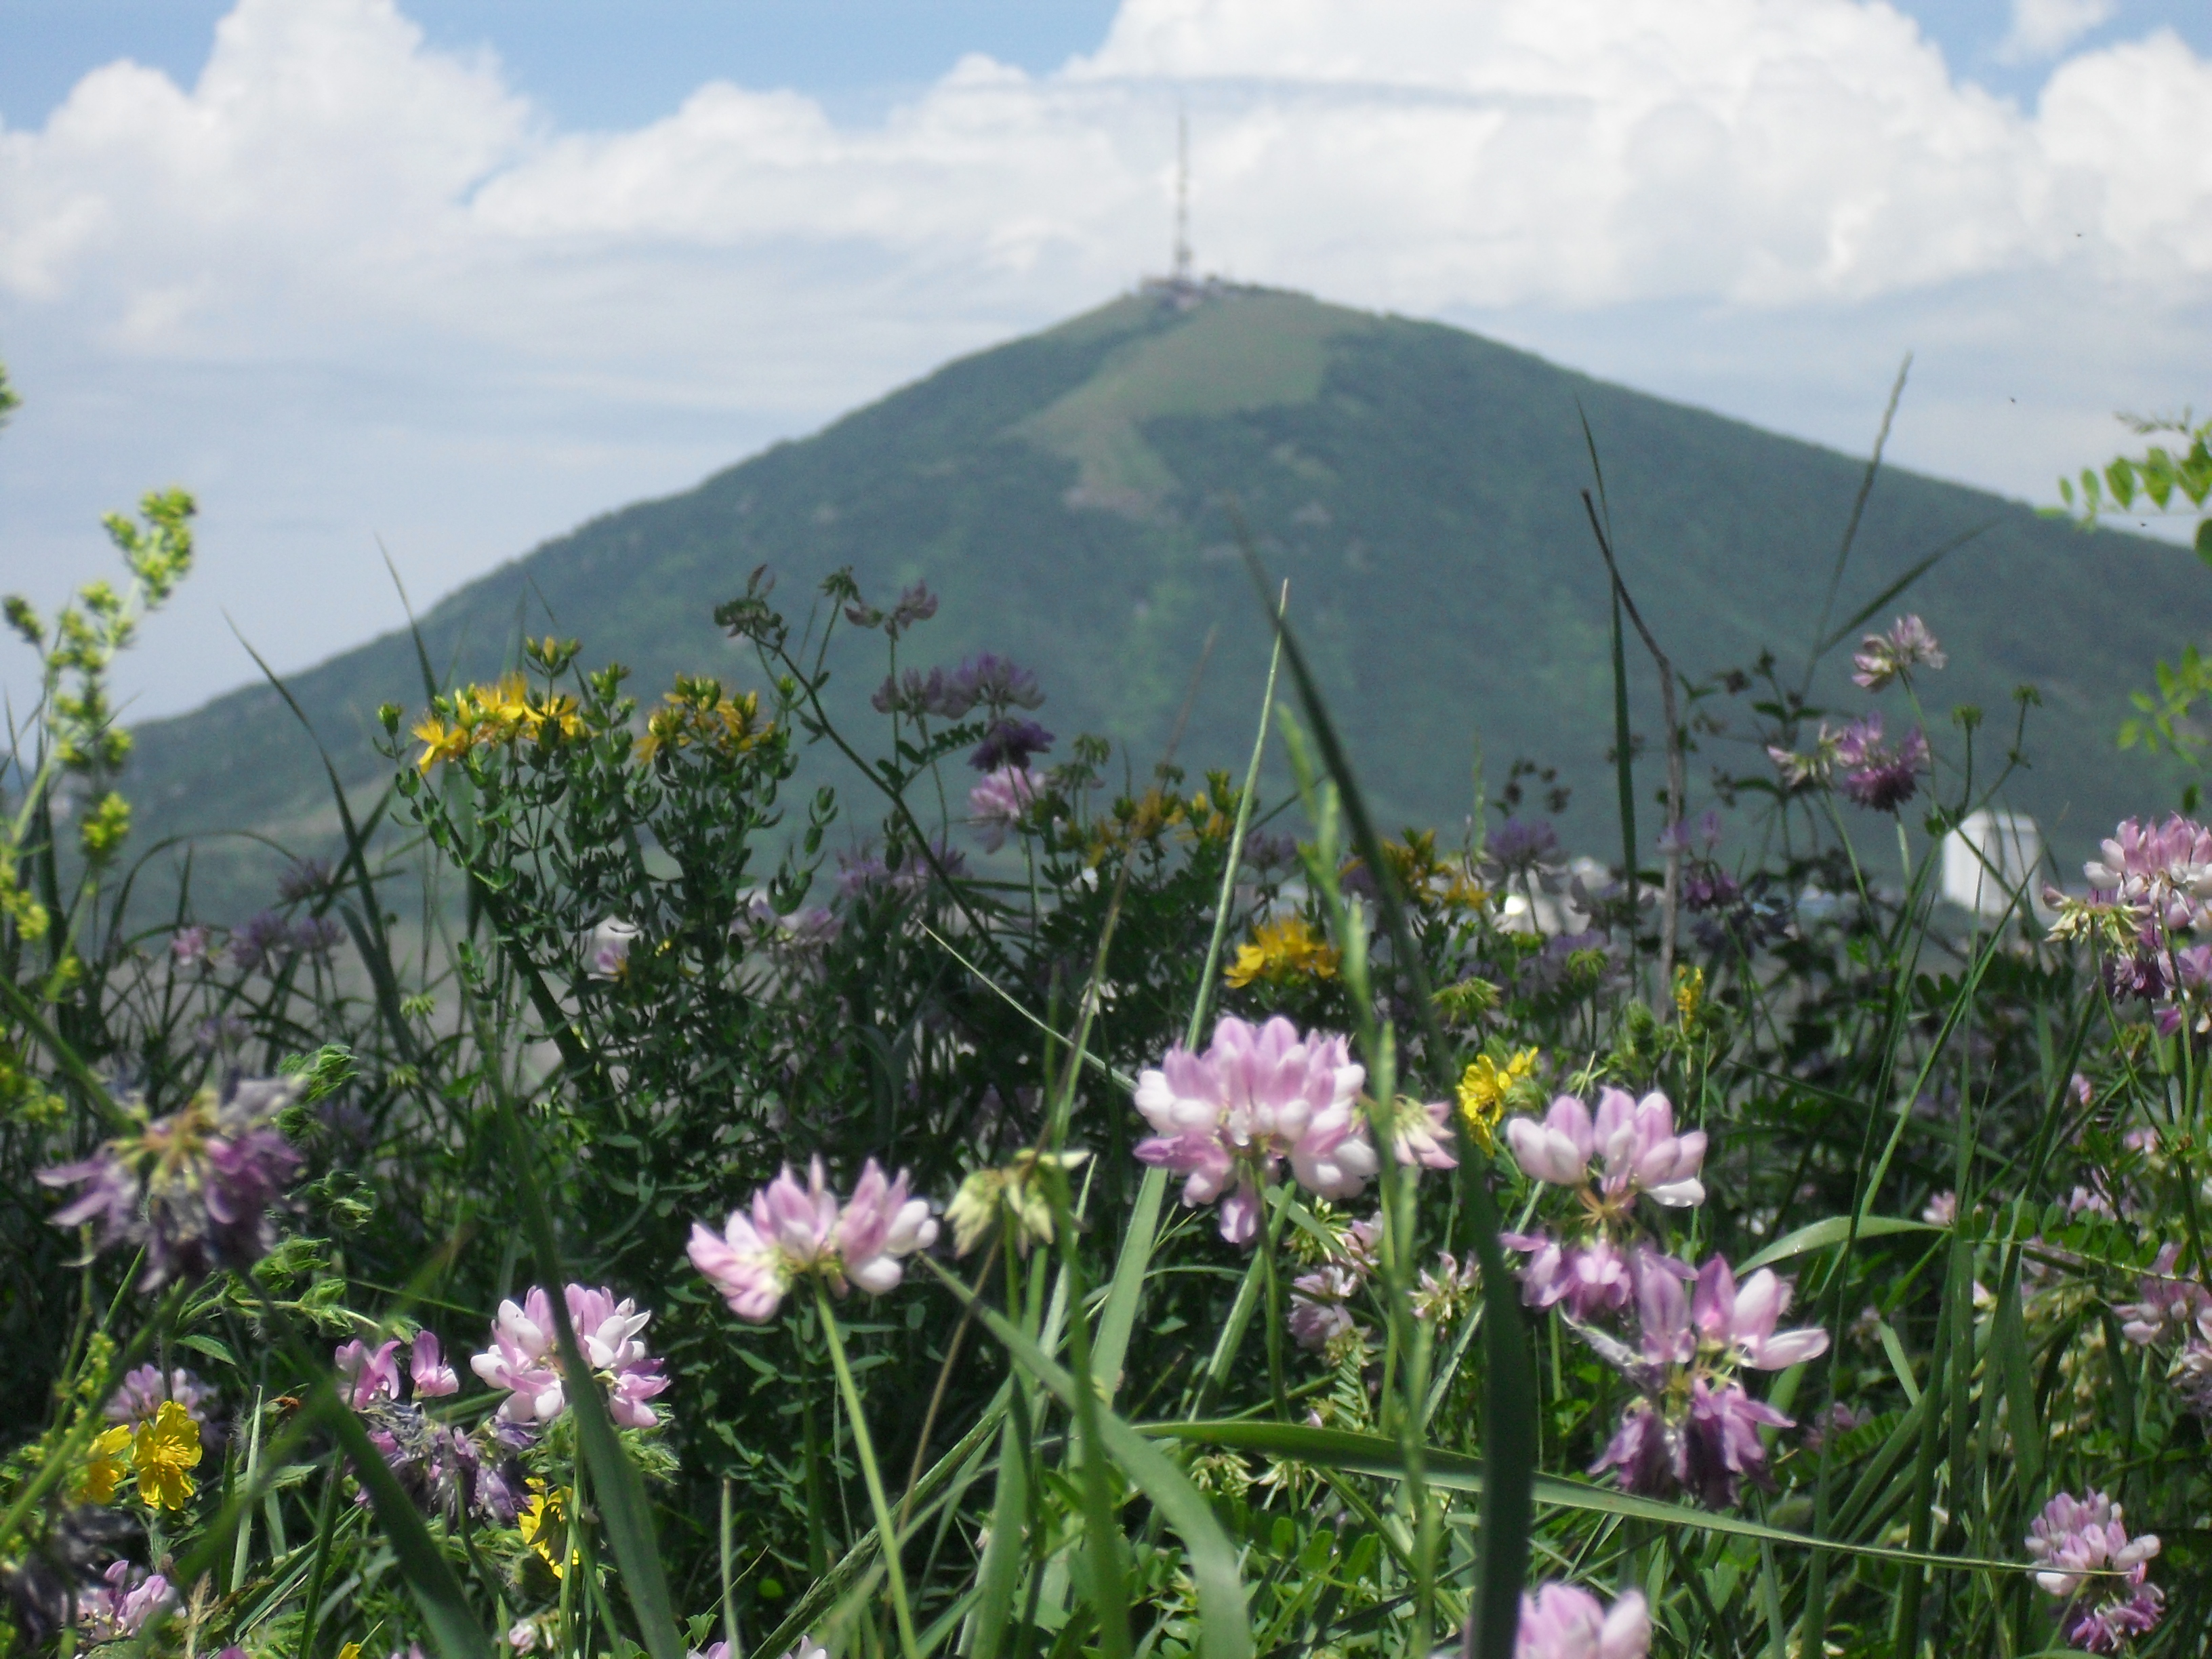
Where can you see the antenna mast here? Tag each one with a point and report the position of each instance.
(1182, 198)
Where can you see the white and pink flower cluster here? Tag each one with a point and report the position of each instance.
(1227, 1119)
(525, 1356)
(793, 1232)
(2099, 1571)
(373, 1374)
(2169, 1307)
(1561, 1621)
(1628, 1147)
(995, 806)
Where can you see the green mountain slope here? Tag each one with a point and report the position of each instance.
(1076, 498)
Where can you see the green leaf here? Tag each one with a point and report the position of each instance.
(1834, 1231)
(2204, 540)
(1374, 1454)
(209, 1346)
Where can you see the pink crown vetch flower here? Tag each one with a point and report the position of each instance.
(1561, 1621)
(2091, 1563)
(524, 1358)
(1629, 1146)
(792, 1232)
(1226, 1120)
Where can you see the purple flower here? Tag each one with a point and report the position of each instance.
(996, 682)
(2086, 1555)
(1264, 851)
(304, 879)
(189, 946)
(792, 1231)
(1739, 1320)
(916, 604)
(1679, 837)
(259, 940)
(141, 1394)
(1009, 743)
(1515, 848)
(995, 806)
(2167, 871)
(1226, 1118)
(317, 936)
(427, 1368)
(525, 1356)
(2163, 1300)
(1632, 1143)
(1589, 1279)
(1418, 1131)
(128, 1598)
(369, 1374)
(917, 695)
(194, 1188)
(1874, 774)
(1720, 1444)
(1562, 1622)
(1319, 1305)
(1882, 657)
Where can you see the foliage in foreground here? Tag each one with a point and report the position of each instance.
(693, 1191)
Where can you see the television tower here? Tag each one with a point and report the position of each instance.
(1182, 277)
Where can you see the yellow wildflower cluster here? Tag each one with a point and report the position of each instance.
(1485, 1089)
(162, 1453)
(1424, 878)
(1689, 991)
(484, 716)
(697, 712)
(1284, 949)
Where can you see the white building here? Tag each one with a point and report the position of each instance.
(1989, 858)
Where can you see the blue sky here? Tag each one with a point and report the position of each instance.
(595, 64)
(441, 278)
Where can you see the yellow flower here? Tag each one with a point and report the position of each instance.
(1689, 991)
(1284, 949)
(350, 1650)
(164, 1453)
(698, 713)
(544, 1523)
(440, 741)
(1483, 1088)
(104, 1464)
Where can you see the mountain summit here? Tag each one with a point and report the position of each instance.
(1079, 499)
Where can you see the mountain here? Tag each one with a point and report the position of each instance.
(1077, 497)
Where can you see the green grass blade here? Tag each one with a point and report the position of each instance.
(1224, 1631)
(1834, 1231)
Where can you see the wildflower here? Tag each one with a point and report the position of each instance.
(106, 1460)
(1319, 1305)
(1588, 1277)
(163, 1454)
(1693, 1427)
(544, 1524)
(2163, 1299)
(607, 955)
(1017, 1191)
(1679, 837)
(1442, 1294)
(1515, 848)
(1874, 774)
(524, 1358)
(1009, 743)
(1225, 1119)
(996, 805)
(996, 682)
(188, 948)
(138, 1397)
(1810, 769)
(1562, 1622)
(1484, 1088)
(1882, 657)
(795, 1230)
(2084, 1548)
(1286, 948)
(259, 940)
(303, 879)
(1417, 1131)
(698, 715)
(1689, 991)
(427, 1368)
(129, 1596)
(1941, 1211)
(369, 1374)
(2167, 871)
(316, 936)
(1633, 1142)
(194, 1188)
(441, 741)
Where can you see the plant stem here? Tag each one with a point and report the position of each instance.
(894, 1576)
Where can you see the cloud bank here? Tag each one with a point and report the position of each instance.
(346, 284)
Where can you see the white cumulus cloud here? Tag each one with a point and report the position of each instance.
(346, 284)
